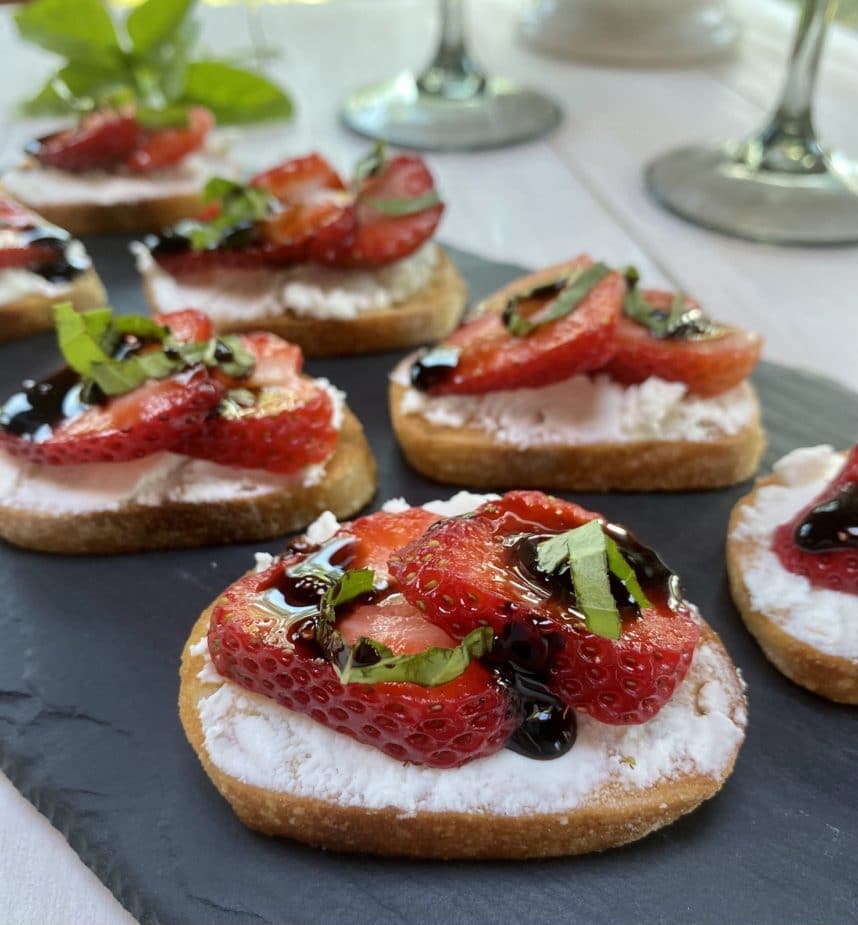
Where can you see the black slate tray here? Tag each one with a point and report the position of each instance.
(90, 734)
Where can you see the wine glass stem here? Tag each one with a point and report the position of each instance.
(452, 74)
(789, 141)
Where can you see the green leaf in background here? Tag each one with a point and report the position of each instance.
(79, 31)
(172, 116)
(73, 88)
(155, 22)
(233, 94)
(430, 668)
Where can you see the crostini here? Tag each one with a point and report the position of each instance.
(40, 264)
(792, 557)
(483, 677)
(334, 269)
(120, 170)
(158, 434)
(573, 378)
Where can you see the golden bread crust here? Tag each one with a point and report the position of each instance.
(348, 485)
(830, 676)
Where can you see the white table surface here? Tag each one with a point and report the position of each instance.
(580, 189)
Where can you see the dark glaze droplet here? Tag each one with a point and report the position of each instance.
(547, 732)
(39, 406)
(831, 525)
(433, 367)
(66, 262)
(544, 291)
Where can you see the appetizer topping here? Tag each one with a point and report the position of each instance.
(301, 211)
(116, 139)
(509, 568)
(134, 386)
(548, 347)
(821, 541)
(585, 321)
(27, 244)
(441, 641)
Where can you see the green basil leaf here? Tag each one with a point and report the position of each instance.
(682, 321)
(140, 326)
(79, 31)
(397, 208)
(78, 335)
(625, 573)
(156, 118)
(576, 289)
(234, 94)
(242, 362)
(369, 165)
(114, 378)
(240, 205)
(75, 87)
(352, 584)
(429, 668)
(155, 22)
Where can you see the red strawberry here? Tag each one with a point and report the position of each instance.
(151, 418)
(288, 425)
(834, 522)
(14, 215)
(163, 148)
(102, 140)
(189, 325)
(445, 726)
(490, 358)
(187, 262)
(378, 536)
(708, 366)
(383, 238)
(466, 572)
(28, 256)
(316, 218)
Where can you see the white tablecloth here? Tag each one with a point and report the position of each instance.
(579, 190)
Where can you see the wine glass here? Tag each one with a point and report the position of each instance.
(452, 105)
(780, 185)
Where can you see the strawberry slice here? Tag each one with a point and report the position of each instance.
(182, 261)
(27, 256)
(486, 357)
(480, 570)
(102, 140)
(163, 148)
(708, 366)
(444, 726)
(277, 420)
(821, 541)
(316, 217)
(378, 536)
(153, 417)
(188, 325)
(381, 237)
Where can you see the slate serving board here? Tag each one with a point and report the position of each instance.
(90, 734)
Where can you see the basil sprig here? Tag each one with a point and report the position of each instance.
(572, 291)
(591, 557)
(240, 207)
(89, 340)
(682, 321)
(146, 59)
(401, 206)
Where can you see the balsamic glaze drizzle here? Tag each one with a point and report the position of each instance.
(831, 525)
(67, 259)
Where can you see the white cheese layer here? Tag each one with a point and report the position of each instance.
(587, 410)
(306, 290)
(822, 618)
(258, 742)
(17, 284)
(44, 186)
(153, 480)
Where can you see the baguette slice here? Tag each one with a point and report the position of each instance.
(428, 315)
(348, 483)
(286, 775)
(831, 676)
(33, 313)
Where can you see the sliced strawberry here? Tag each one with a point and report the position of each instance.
(821, 541)
(299, 178)
(489, 357)
(102, 140)
(382, 238)
(189, 325)
(163, 148)
(378, 536)
(479, 570)
(287, 425)
(27, 257)
(445, 726)
(151, 418)
(707, 366)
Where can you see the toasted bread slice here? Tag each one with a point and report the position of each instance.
(33, 313)
(470, 456)
(348, 483)
(428, 315)
(832, 676)
(335, 793)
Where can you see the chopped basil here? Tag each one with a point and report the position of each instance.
(369, 165)
(397, 208)
(682, 321)
(591, 557)
(240, 206)
(575, 288)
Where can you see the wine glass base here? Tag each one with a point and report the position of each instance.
(400, 112)
(709, 187)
